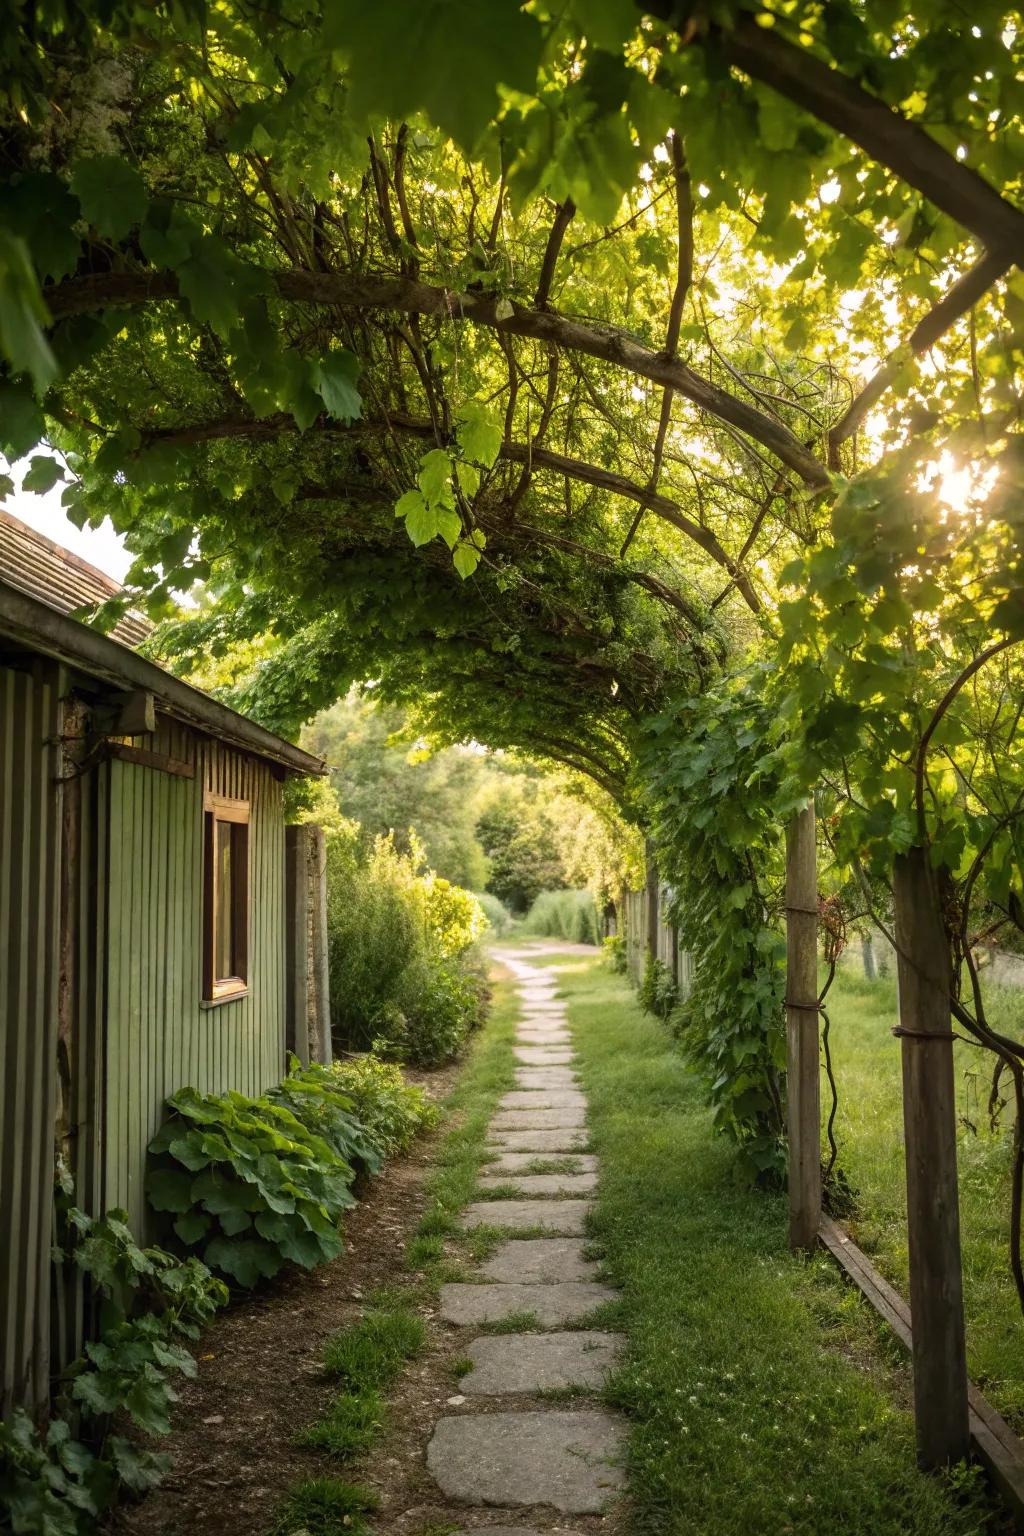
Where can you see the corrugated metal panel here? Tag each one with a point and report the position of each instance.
(159, 1037)
(30, 725)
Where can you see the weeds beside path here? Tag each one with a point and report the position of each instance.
(762, 1398)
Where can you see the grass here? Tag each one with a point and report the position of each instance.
(367, 1360)
(489, 1072)
(324, 1506)
(869, 1131)
(760, 1397)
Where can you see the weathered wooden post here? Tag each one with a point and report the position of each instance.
(803, 1071)
(308, 1021)
(929, 1128)
(653, 913)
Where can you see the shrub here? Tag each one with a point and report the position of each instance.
(390, 1110)
(315, 1096)
(616, 953)
(401, 952)
(250, 1181)
(404, 942)
(569, 915)
(498, 915)
(658, 991)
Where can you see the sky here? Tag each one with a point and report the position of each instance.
(102, 547)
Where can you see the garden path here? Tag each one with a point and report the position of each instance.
(511, 1442)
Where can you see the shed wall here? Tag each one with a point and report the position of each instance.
(30, 802)
(160, 1037)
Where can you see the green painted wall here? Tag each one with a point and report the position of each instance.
(159, 1035)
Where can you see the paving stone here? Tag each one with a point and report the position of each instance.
(543, 1037)
(511, 1530)
(568, 1460)
(538, 1119)
(546, 1077)
(543, 1056)
(566, 1140)
(522, 1162)
(550, 1304)
(539, 1261)
(536, 1184)
(543, 1098)
(567, 1217)
(536, 1362)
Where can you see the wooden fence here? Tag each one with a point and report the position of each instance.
(951, 1416)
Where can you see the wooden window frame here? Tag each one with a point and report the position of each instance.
(225, 989)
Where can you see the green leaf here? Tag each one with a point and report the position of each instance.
(469, 478)
(449, 526)
(192, 1227)
(441, 57)
(246, 1261)
(138, 1469)
(23, 316)
(112, 194)
(334, 379)
(435, 473)
(421, 523)
(21, 420)
(168, 1189)
(606, 23)
(466, 559)
(480, 433)
(42, 474)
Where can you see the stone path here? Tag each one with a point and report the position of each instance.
(536, 1456)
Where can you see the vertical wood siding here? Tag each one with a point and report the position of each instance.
(159, 1037)
(30, 716)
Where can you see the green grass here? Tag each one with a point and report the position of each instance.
(869, 1131)
(489, 1072)
(760, 1397)
(324, 1506)
(373, 1352)
(367, 1360)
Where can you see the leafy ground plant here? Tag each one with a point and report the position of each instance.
(250, 1182)
(390, 1110)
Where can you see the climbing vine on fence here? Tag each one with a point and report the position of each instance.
(712, 785)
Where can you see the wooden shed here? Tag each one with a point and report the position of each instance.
(158, 925)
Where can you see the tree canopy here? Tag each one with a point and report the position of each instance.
(635, 385)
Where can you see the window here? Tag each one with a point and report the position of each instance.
(225, 899)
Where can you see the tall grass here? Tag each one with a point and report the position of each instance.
(570, 915)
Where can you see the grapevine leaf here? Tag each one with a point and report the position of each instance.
(111, 193)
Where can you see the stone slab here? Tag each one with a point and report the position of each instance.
(510, 1530)
(546, 1077)
(543, 1098)
(537, 1362)
(543, 1037)
(522, 1162)
(539, 1119)
(538, 1185)
(539, 1261)
(551, 1305)
(567, 1217)
(567, 1140)
(543, 1056)
(571, 1461)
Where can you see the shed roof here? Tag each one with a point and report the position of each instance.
(35, 617)
(36, 565)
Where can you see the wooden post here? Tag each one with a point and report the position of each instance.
(297, 977)
(929, 1129)
(320, 1022)
(652, 902)
(803, 1070)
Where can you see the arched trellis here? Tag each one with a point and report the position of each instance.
(374, 291)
